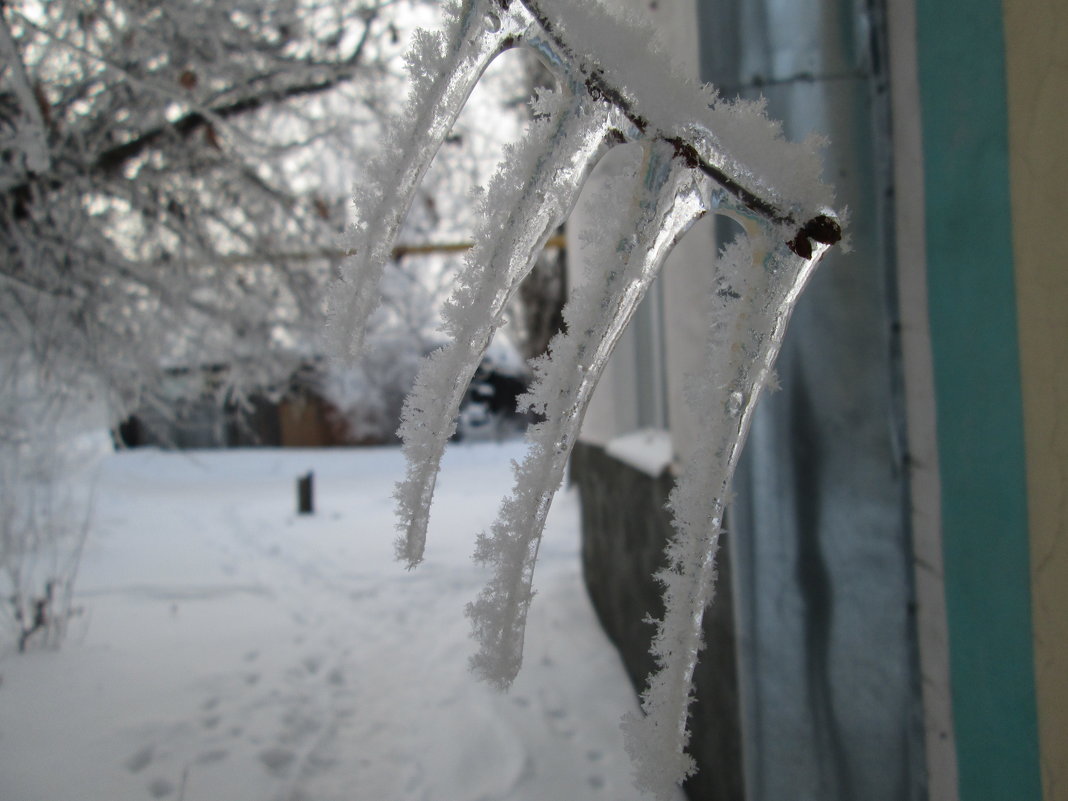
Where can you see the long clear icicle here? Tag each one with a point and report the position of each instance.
(525, 203)
(445, 66)
(756, 288)
(665, 202)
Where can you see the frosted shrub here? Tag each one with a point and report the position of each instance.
(700, 154)
(369, 395)
(49, 447)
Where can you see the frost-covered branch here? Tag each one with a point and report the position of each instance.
(701, 154)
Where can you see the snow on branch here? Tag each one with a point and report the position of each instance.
(700, 154)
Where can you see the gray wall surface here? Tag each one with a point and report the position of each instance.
(819, 529)
(625, 528)
(809, 687)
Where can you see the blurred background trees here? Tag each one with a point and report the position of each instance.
(175, 177)
(175, 184)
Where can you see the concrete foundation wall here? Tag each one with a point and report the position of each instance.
(625, 528)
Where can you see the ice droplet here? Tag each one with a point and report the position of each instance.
(735, 403)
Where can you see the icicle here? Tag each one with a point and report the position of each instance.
(665, 202)
(445, 67)
(755, 294)
(526, 202)
(690, 139)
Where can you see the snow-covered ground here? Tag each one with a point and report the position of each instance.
(230, 650)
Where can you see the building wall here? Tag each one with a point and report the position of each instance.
(981, 154)
(988, 477)
(1036, 49)
(977, 204)
(626, 527)
(819, 521)
(615, 407)
(924, 477)
(818, 538)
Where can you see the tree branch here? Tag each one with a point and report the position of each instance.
(113, 159)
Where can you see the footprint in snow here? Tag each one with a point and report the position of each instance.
(277, 760)
(555, 711)
(140, 760)
(160, 788)
(213, 756)
(336, 677)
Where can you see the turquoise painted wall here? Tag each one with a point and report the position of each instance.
(977, 382)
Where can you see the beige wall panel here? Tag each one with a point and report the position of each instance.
(1036, 34)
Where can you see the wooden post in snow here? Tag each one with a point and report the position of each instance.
(306, 494)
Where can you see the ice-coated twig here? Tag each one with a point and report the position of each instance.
(701, 153)
(663, 201)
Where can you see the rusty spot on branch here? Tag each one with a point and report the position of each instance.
(822, 229)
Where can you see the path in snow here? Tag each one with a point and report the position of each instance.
(230, 649)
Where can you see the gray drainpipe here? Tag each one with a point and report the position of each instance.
(819, 531)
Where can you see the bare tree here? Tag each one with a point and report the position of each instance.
(174, 185)
(170, 179)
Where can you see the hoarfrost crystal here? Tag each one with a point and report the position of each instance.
(699, 154)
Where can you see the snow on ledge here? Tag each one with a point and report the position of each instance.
(648, 450)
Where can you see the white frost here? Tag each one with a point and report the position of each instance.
(700, 154)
